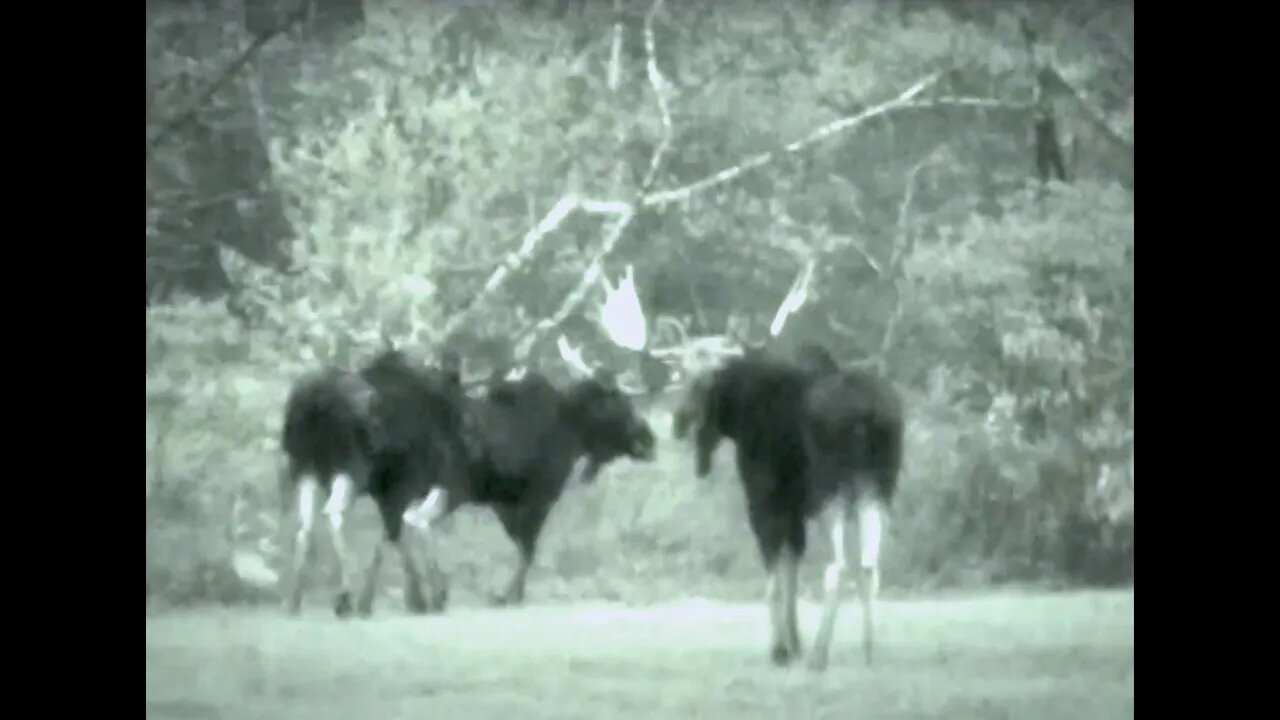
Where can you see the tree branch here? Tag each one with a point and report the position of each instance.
(552, 220)
(626, 212)
(578, 294)
(659, 85)
(890, 331)
(221, 81)
(615, 50)
(1093, 114)
(756, 161)
(976, 102)
(866, 255)
(879, 360)
(903, 241)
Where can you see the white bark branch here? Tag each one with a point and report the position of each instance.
(903, 240)
(604, 207)
(659, 85)
(563, 208)
(578, 294)
(626, 213)
(755, 161)
(615, 50)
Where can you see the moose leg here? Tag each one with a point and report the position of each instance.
(789, 574)
(767, 525)
(870, 531)
(839, 510)
(308, 492)
(523, 525)
(341, 496)
(421, 517)
(364, 606)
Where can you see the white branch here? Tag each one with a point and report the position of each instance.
(975, 102)
(659, 85)
(615, 51)
(879, 360)
(890, 330)
(903, 100)
(550, 222)
(604, 207)
(625, 212)
(858, 248)
(900, 246)
(579, 292)
(902, 242)
(515, 260)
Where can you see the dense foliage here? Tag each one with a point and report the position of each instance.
(1003, 307)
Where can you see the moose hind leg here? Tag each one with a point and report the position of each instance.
(839, 510)
(369, 588)
(790, 574)
(341, 496)
(414, 599)
(767, 526)
(870, 532)
(778, 650)
(306, 506)
(421, 517)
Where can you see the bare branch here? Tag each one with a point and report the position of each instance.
(604, 207)
(625, 212)
(840, 327)
(579, 293)
(901, 245)
(515, 260)
(890, 330)
(1092, 113)
(193, 107)
(858, 248)
(975, 102)
(755, 161)
(659, 85)
(550, 222)
(615, 51)
(902, 241)
(879, 359)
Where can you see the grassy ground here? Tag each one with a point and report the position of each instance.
(1013, 655)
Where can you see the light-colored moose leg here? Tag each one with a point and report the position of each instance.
(839, 517)
(870, 532)
(341, 497)
(422, 517)
(306, 505)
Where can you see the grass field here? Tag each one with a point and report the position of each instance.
(1014, 655)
